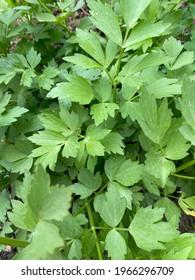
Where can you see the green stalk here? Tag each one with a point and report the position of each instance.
(183, 176)
(185, 166)
(13, 242)
(92, 225)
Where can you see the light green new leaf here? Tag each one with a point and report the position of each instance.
(77, 89)
(176, 147)
(96, 132)
(149, 232)
(172, 48)
(10, 115)
(45, 17)
(56, 204)
(145, 30)
(129, 173)
(27, 77)
(46, 240)
(71, 147)
(48, 137)
(101, 111)
(132, 10)
(113, 143)
(110, 52)
(90, 42)
(115, 245)
(104, 18)
(47, 155)
(110, 206)
(159, 167)
(33, 58)
(83, 61)
(95, 148)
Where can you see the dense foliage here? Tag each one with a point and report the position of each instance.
(97, 128)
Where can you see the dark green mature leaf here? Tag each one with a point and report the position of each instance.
(115, 245)
(110, 206)
(132, 10)
(106, 20)
(149, 232)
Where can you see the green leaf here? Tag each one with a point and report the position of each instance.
(71, 147)
(115, 245)
(33, 58)
(132, 10)
(176, 147)
(45, 80)
(164, 88)
(47, 155)
(10, 115)
(187, 102)
(46, 17)
(75, 252)
(101, 111)
(103, 89)
(188, 132)
(42, 244)
(39, 189)
(77, 89)
(95, 148)
(112, 165)
(106, 20)
(144, 30)
(96, 132)
(83, 61)
(56, 204)
(27, 77)
(22, 216)
(171, 210)
(110, 206)
(129, 173)
(155, 121)
(124, 192)
(113, 143)
(90, 43)
(4, 206)
(88, 183)
(159, 167)
(149, 232)
(181, 248)
(70, 228)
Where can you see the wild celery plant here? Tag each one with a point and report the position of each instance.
(97, 129)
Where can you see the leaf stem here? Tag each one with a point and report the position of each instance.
(13, 242)
(185, 166)
(92, 225)
(183, 176)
